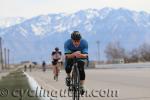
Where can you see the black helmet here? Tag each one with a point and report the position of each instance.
(75, 35)
(56, 49)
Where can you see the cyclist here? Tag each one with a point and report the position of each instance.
(76, 47)
(44, 66)
(30, 67)
(25, 68)
(56, 58)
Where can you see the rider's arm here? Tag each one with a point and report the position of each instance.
(82, 55)
(69, 55)
(76, 54)
(84, 51)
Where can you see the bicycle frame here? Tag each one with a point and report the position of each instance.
(75, 81)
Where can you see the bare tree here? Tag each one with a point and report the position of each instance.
(142, 53)
(114, 50)
(134, 55)
(145, 52)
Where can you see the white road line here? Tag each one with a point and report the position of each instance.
(35, 86)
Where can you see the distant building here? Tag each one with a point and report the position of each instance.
(118, 61)
(24, 62)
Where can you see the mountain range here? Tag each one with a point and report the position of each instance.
(35, 38)
(10, 21)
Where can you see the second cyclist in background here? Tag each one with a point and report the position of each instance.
(56, 62)
(44, 66)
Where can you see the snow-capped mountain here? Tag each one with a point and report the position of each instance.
(9, 21)
(35, 38)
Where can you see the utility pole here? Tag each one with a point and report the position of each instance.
(5, 58)
(1, 54)
(8, 57)
(98, 48)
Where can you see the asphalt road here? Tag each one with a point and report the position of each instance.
(101, 84)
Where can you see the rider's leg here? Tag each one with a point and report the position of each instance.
(81, 72)
(68, 71)
(82, 76)
(58, 67)
(68, 68)
(54, 67)
(56, 70)
(82, 82)
(56, 73)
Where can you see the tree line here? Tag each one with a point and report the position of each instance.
(114, 50)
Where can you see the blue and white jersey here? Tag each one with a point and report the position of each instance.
(70, 48)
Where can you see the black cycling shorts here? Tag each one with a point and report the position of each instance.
(68, 68)
(54, 62)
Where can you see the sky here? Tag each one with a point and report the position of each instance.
(31, 8)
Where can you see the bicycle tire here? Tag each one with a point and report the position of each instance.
(75, 83)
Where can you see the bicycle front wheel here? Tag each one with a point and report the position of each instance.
(75, 84)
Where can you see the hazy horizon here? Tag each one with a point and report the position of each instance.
(31, 8)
